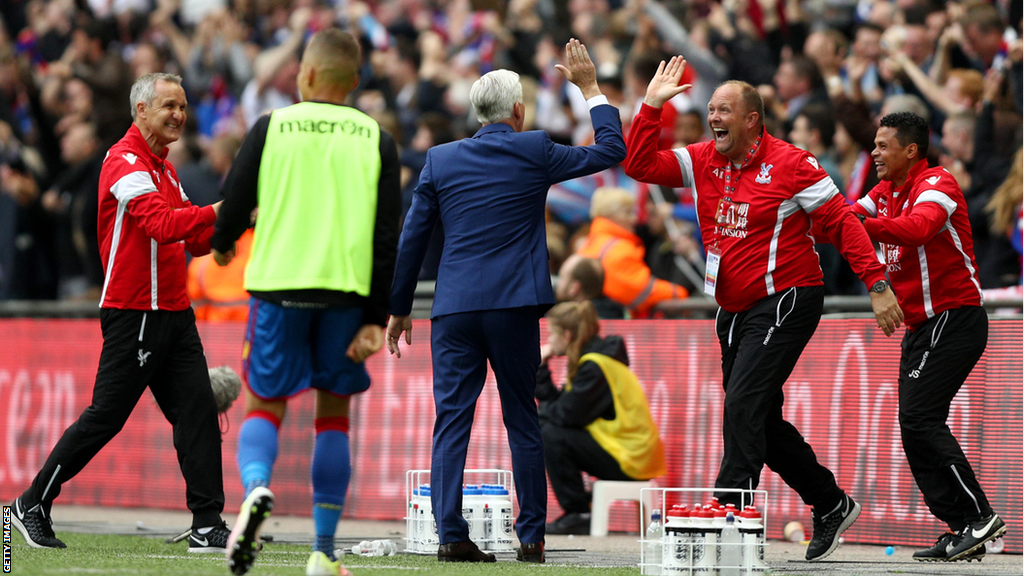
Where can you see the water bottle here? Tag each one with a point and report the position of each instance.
(375, 548)
(363, 549)
(705, 542)
(752, 531)
(731, 563)
(676, 553)
(655, 534)
(384, 548)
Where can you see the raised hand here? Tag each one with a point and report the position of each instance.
(580, 69)
(665, 84)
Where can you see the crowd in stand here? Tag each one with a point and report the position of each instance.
(827, 70)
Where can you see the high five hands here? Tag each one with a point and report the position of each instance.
(665, 84)
(580, 69)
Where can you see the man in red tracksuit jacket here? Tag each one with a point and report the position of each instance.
(920, 216)
(149, 329)
(756, 199)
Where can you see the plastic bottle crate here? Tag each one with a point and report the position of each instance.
(486, 506)
(692, 542)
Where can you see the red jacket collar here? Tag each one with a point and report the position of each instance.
(915, 172)
(137, 141)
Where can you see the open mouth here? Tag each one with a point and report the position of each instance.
(720, 134)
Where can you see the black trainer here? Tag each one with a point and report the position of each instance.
(939, 552)
(570, 523)
(215, 540)
(828, 527)
(974, 536)
(35, 526)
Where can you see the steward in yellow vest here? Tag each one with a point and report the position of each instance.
(598, 422)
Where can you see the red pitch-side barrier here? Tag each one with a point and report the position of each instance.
(842, 396)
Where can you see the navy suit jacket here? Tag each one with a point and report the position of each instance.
(489, 192)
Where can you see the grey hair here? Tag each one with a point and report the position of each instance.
(494, 95)
(144, 89)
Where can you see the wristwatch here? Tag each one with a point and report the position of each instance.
(880, 286)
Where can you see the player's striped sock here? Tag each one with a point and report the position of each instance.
(257, 449)
(331, 473)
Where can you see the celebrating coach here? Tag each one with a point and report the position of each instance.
(493, 285)
(757, 198)
(150, 340)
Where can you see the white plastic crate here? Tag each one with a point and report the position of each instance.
(489, 515)
(695, 548)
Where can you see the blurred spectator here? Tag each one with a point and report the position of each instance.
(983, 42)
(997, 135)
(673, 250)
(612, 240)
(1006, 209)
(814, 130)
(90, 59)
(274, 72)
(201, 176)
(689, 128)
(72, 202)
(582, 280)
(797, 84)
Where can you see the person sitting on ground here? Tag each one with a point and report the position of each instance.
(598, 422)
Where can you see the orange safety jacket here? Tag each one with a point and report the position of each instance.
(627, 277)
(218, 293)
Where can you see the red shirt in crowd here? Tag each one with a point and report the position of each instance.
(926, 240)
(145, 225)
(763, 229)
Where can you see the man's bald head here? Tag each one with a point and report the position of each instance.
(333, 56)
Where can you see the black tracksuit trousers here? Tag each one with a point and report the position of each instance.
(936, 359)
(159, 350)
(760, 347)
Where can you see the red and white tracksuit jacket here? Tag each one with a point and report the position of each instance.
(763, 229)
(145, 225)
(926, 239)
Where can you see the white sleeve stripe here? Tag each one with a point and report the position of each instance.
(132, 185)
(816, 194)
(868, 204)
(685, 166)
(939, 198)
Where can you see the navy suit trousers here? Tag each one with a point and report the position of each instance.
(461, 345)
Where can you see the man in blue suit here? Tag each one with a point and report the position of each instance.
(493, 285)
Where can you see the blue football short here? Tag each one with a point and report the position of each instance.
(289, 350)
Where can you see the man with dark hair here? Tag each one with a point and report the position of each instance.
(813, 131)
(758, 198)
(920, 216)
(797, 84)
(983, 36)
(104, 71)
(326, 179)
(582, 279)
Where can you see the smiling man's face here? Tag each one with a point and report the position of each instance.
(164, 117)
